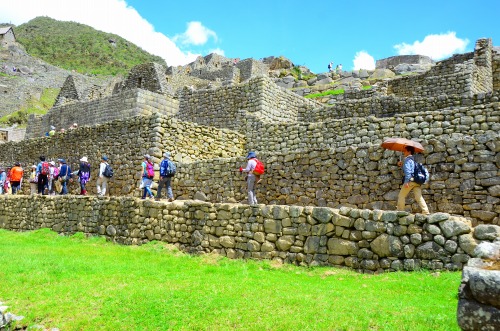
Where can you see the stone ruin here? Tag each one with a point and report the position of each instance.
(318, 156)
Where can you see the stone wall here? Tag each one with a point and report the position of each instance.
(125, 104)
(363, 240)
(390, 106)
(482, 79)
(251, 68)
(393, 61)
(125, 142)
(147, 76)
(229, 107)
(465, 178)
(228, 72)
(496, 68)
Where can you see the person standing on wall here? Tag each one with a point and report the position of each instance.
(251, 177)
(102, 181)
(64, 176)
(167, 171)
(3, 179)
(147, 177)
(16, 177)
(409, 184)
(84, 174)
(43, 171)
(33, 180)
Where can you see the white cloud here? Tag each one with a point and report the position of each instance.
(196, 34)
(113, 16)
(217, 51)
(436, 46)
(363, 60)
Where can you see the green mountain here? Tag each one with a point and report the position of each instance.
(75, 46)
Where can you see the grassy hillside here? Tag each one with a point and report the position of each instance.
(79, 47)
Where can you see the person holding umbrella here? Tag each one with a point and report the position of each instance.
(408, 147)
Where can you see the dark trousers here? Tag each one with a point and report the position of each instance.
(15, 186)
(42, 183)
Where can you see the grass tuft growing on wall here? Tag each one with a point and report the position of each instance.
(75, 283)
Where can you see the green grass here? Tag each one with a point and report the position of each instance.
(79, 47)
(325, 93)
(74, 283)
(34, 106)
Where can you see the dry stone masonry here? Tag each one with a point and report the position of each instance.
(364, 240)
(317, 157)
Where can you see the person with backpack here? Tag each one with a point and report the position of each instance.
(84, 174)
(105, 172)
(255, 169)
(43, 172)
(148, 174)
(64, 176)
(16, 177)
(410, 182)
(33, 180)
(3, 179)
(167, 171)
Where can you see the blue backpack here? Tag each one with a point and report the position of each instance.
(167, 168)
(420, 173)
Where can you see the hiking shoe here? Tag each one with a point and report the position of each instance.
(170, 199)
(157, 199)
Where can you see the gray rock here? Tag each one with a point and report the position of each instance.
(467, 243)
(322, 214)
(387, 246)
(472, 316)
(312, 245)
(438, 217)
(485, 286)
(227, 242)
(200, 196)
(110, 230)
(487, 232)
(487, 250)
(429, 250)
(454, 227)
(338, 246)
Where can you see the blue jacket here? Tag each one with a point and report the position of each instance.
(65, 170)
(408, 168)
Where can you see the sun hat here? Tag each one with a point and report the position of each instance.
(52, 163)
(33, 166)
(147, 156)
(104, 158)
(167, 155)
(251, 155)
(84, 159)
(62, 160)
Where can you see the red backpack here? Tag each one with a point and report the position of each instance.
(259, 168)
(45, 168)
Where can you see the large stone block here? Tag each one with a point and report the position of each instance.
(338, 246)
(387, 246)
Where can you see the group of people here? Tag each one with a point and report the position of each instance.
(337, 69)
(46, 178)
(62, 130)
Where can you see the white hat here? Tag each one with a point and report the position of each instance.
(84, 159)
(33, 166)
(52, 163)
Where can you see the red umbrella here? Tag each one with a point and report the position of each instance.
(399, 144)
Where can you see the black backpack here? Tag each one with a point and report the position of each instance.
(420, 173)
(108, 171)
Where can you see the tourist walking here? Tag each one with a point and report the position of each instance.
(54, 183)
(147, 176)
(330, 66)
(84, 174)
(42, 171)
(251, 177)
(3, 179)
(167, 171)
(16, 177)
(409, 184)
(33, 180)
(102, 181)
(64, 176)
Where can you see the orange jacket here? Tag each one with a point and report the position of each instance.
(16, 174)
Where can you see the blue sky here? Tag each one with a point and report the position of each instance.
(354, 33)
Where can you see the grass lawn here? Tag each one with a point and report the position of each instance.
(75, 283)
